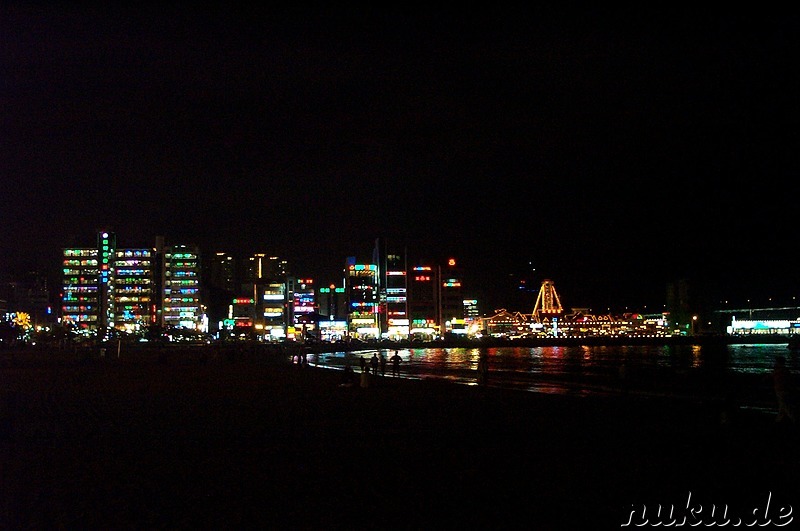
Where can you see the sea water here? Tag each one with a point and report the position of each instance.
(677, 371)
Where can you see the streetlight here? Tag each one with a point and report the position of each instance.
(694, 323)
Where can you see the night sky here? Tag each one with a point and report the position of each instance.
(611, 151)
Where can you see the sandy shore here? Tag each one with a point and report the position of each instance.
(185, 442)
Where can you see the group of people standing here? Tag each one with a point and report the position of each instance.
(376, 366)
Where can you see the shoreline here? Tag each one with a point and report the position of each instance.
(322, 347)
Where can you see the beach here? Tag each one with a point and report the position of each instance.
(187, 441)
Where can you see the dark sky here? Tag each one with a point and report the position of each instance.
(615, 151)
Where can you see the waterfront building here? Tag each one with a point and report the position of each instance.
(362, 299)
(241, 316)
(182, 307)
(333, 330)
(88, 285)
(472, 317)
(424, 302)
(277, 311)
(106, 289)
(219, 287)
(395, 297)
(304, 308)
(763, 327)
(506, 324)
(80, 297)
(332, 302)
(451, 318)
(132, 294)
(220, 272)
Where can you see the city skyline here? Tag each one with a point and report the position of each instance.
(514, 298)
(614, 151)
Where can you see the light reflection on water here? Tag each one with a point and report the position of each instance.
(583, 370)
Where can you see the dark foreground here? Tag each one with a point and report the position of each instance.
(186, 442)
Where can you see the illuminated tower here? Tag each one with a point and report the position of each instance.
(548, 305)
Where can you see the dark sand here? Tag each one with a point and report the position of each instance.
(255, 442)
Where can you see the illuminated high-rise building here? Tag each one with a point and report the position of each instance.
(80, 295)
(395, 296)
(260, 266)
(363, 302)
(107, 288)
(221, 272)
(332, 302)
(88, 285)
(277, 309)
(424, 292)
(182, 307)
(451, 297)
(132, 295)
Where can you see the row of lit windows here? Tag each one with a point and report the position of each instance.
(81, 317)
(73, 309)
(80, 252)
(175, 300)
(132, 318)
(182, 299)
(181, 282)
(183, 273)
(83, 263)
(132, 299)
(128, 307)
(86, 283)
(131, 263)
(177, 292)
(133, 272)
(133, 252)
(132, 280)
(182, 265)
(71, 297)
(69, 271)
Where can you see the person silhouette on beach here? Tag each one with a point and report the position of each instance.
(483, 368)
(374, 362)
(383, 364)
(363, 364)
(395, 363)
(784, 392)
